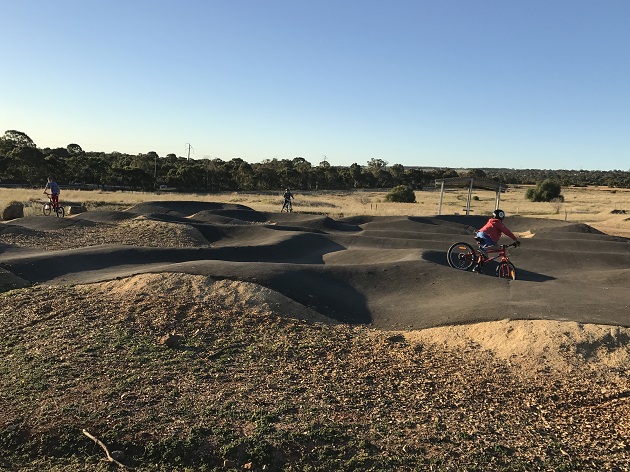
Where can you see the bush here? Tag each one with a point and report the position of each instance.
(545, 191)
(401, 194)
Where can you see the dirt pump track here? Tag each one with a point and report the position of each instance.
(387, 272)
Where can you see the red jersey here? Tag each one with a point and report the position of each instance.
(494, 227)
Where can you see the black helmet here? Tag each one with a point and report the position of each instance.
(500, 214)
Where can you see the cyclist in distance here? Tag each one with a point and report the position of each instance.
(490, 233)
(287, 198)
(54, 192)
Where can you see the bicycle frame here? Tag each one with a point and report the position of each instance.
(463, 256)
(501, 252)
(50, 205)
(505, 268)
(55, 205)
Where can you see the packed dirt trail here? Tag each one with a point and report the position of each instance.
(386, 272)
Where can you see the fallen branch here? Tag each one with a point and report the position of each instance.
(220, 351)
(109, 457)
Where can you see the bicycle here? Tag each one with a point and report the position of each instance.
(462, 256)
(50, 206)
(287, 206)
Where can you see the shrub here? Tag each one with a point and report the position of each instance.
(545, 191)
(401, 194)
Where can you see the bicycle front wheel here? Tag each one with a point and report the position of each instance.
(461, 256)
(46, 209)
(60, 212)
(506, 270)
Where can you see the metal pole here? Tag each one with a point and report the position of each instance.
(441, 197)
(470, 189)
(497, 201)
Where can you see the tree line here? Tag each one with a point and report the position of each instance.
(23, 163)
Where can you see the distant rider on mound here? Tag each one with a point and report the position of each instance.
(490, 233)
(287, 198)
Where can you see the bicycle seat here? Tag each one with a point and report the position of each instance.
(478, 239)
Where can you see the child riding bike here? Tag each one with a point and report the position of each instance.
(287, 200)
(489, 235)
(54, 192)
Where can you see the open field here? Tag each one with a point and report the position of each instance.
(214, 333)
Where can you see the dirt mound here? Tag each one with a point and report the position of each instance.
(208, 290)
(185, 208)
(138, 231)
(8, 281)
(533, 345)
(539, 345)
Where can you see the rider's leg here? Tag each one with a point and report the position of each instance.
(484, 242)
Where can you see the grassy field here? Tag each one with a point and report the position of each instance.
(604, 208)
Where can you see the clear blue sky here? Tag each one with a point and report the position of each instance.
(458, 83)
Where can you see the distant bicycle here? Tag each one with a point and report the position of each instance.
(287, 206)
(462, 256)
(50, 206)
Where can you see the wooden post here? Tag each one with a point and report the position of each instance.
(497, 201)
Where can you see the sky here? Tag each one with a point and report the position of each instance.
(541, 84)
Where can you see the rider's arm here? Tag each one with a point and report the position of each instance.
(507, 232)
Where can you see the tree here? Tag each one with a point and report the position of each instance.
(74, 149)
(355, 174)
(401, 194)
(27, 163)
(244, 176)
(18, 138)
(375, 165)
(545, 191)
(397, 172)
(476, 173)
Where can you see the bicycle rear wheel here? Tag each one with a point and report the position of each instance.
(506, 270)
(461, 256)
(46, 209)
(60, 212)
